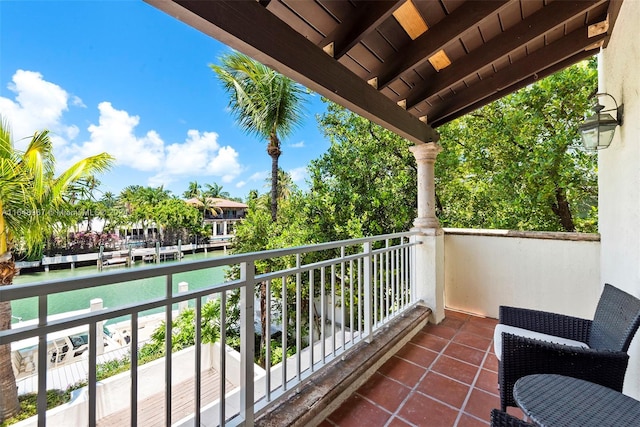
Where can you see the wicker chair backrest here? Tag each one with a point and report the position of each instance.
(616, 320)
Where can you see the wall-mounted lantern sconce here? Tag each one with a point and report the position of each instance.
(597, 131)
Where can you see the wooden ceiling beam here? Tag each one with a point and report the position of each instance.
(251, 29)
(366, 17)
(534, 26)
(464, 17)
(532, 67)
(516, 86)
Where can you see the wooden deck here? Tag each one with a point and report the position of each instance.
(151, 411)
(62, 377)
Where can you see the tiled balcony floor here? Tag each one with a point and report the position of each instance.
(446, 376)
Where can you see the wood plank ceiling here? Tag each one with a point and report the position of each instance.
(409, 65)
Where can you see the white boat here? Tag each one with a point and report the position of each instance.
(63, 347)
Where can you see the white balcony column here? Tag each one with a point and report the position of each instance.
(428, 266)
(224, 233)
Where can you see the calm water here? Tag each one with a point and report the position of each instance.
(112, 295)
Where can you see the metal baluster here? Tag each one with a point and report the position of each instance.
(284, 314)
(323, 320)
(298, 319)
(198, 364)
(368, 315)
(223, 358)
(267, 339)
(247, 342)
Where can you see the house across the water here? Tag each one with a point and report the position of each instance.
(223, 214)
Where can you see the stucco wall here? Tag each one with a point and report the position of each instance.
(486, 269)
(619, 170)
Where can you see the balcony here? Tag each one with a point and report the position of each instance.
(371, 356)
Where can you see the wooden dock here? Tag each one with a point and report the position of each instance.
(119, 258)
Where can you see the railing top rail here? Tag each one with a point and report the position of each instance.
(14, 292)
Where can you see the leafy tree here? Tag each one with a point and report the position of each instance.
(30, 196)
(365, 183)
(265, 104)
(175, 214)
(516, 163)
(139, 203)
(258, 232)
(109, 210)
(183, 329)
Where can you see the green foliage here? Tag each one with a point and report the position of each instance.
(366, 182)
(183, 330)
(29, 405)
(516, 163)
(264, 103)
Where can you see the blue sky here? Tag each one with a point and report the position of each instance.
(126, 78)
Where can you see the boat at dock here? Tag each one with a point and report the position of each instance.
(67, 350)
(125, 257)
(63, 347)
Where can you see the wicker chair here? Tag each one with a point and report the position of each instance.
(502, 419)
(607, 338)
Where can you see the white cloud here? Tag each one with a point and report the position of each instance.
(241, 184)
(114, 134)
(298, 174)
(259, 176)
(199, 155)
(38, 105)
(297, 145)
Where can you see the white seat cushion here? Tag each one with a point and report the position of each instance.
(500, 328)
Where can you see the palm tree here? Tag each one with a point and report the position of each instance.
(30, 195)
(286, 186)
(193, 190)
(215, 190)
(265, 103)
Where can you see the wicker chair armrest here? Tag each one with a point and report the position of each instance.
(525, 356)
(559, 325)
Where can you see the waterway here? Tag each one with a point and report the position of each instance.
(111, 295)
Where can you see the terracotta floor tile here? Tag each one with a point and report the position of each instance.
(456, 314)
(464, 353)
(452, 322)
(481, 403)
(476, 329)
(488, 381)
(357, 412)
(487, 322)
(423, 411)
(431, 376)
(472, 340)
(417, 354)
(467, 420)
(516, 412)
(455, 369)
(491, 362)
(445, 389)
(397, 422)
(384, 391)
(430, 341)
(441, 331)
(400, 370)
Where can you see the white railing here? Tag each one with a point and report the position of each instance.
(326, 299)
